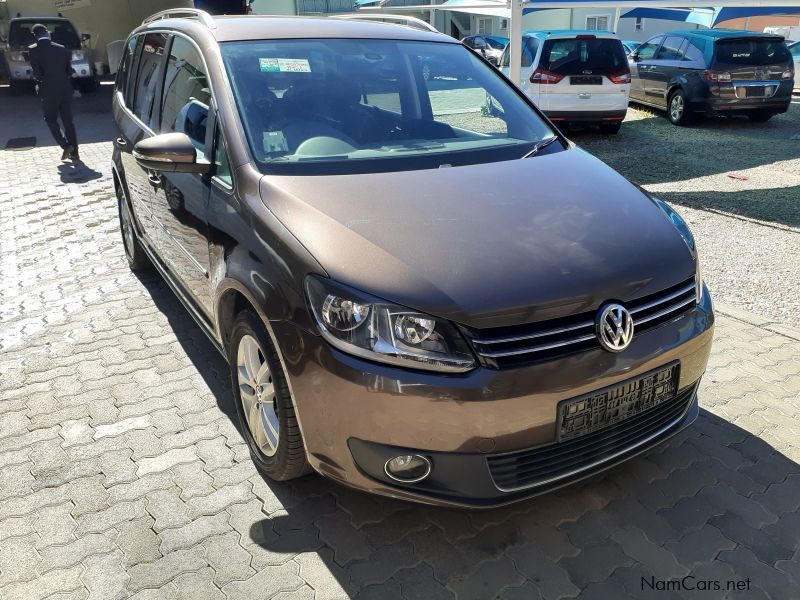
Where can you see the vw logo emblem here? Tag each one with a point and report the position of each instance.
(614, 328)
(587, 72)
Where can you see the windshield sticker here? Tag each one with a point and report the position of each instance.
(284, 65)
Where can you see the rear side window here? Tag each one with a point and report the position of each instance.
(186, 94)
(125, 80)
(671, 49)
(529, 48)
(795, 50)
(695, 51)
(573, 56)
(147, 79)
(752, 52)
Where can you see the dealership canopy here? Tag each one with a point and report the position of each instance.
(710, 16)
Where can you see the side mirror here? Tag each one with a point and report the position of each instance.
(169, 153)
(85, 37)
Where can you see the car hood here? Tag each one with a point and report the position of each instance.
(487, 245)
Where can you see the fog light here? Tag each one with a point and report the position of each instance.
(408, 468)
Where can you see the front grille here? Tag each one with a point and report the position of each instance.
(547, 465)
(506, 347)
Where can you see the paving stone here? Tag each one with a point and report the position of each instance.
(193, 533)
(105, 576)
(319, 571)
(163, 570)
(527, 591)
(168, 510)
(382, 591)
(487, 580)
(689, 514)
(120, 427)
(61, 557)
(192, 479)
(16, 527)
(383, 563)
(303, 593)
(55, 525)
(419, 582)
(750, 510)
(229, 560)
(138, 541)
(265, 583)
(220, 499)
(197, 586)
(595, 563)
(762, 545)
(746, 565)
(64, 580)
(106, 519)
(166, 461)
(348, 543)
(552, 578)
(783, 497)
(699, 546)
(19, 560)
(139, 488)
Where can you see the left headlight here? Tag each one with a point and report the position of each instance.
(359, 324)
(686, 233)
(77, 55)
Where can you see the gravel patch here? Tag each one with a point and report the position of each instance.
(750, 172)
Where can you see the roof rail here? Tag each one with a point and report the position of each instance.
(406, 20)
(177, 13)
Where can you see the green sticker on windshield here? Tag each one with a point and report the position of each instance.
(284, 65)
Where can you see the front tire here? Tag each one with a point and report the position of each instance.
(263, 401)
(678, 110)
(137, 259)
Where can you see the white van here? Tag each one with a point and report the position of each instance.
(576, 76)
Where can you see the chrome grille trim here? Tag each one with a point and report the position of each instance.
(557, 339)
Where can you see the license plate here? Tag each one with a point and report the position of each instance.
(586, 80)
(600, 409)
(757, 91)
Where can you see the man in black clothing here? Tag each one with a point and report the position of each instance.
(52, 69)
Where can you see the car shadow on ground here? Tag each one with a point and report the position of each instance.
(727, 164)
(682, 508)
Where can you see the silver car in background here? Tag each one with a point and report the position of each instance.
(62, 31)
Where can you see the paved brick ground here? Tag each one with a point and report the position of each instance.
(122, 473)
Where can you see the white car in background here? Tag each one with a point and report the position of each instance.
(576, 76)
(795, 50)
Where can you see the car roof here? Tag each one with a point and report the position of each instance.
(568, 33)
(721, 34)
(38, 19)
(268, 27)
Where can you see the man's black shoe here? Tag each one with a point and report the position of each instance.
(74, 155)
(67, 154)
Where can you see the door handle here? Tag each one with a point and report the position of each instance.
(121, 142)
(155, 180)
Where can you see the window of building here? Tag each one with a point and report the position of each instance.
(598, 22)
(484, 26)
(503, 23)
(639, 24)
(186, 94)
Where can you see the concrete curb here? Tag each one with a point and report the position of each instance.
(757, 320)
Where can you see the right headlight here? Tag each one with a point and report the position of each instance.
(683, 229)
(359, 324)
(15, 56)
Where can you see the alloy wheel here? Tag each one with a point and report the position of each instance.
(676, 108)
(127, 227)
(257, 395)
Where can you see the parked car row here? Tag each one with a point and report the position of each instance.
(591, 76)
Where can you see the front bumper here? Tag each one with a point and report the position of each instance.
(355, 414)
(22, 71)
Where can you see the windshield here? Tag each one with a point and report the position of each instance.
(62, 32)
(574, 56)
(751, 53)
(335, 106)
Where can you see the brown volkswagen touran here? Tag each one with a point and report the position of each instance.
(422, 288)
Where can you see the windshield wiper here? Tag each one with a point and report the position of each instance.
(540, 146)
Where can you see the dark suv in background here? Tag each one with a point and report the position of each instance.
(713, 72)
